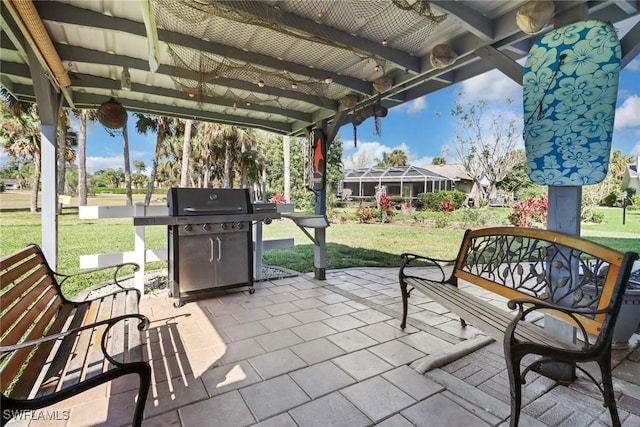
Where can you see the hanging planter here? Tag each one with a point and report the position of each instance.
(442, 56)
(112, 115)
(383, 84)
(534, 16)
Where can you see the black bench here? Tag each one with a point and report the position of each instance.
(52, 348)
(572, 279)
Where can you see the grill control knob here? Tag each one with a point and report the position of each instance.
(240, 226)
(206, 227)
(224, 225)
(187, 228)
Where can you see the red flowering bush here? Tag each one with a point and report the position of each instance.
(530, 210)
(278, 198)
(446, 206)
(387, 208)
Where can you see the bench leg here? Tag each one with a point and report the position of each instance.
(405, 303)
(607, 389)
(145, 381)
(515, 386)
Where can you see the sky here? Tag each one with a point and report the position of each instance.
(423, 128)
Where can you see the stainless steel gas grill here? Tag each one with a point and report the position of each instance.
(210, 241)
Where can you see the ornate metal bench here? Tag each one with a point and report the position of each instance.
(52, 348)
(572, 279)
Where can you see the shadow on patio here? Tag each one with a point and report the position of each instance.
(301, 352)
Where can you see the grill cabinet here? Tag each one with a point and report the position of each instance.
(210, 242)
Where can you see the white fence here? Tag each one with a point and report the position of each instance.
(141, 255)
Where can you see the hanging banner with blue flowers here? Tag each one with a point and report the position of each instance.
(570, 87)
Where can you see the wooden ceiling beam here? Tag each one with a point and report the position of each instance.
(78, 54)
(89, 81)
(67, 14)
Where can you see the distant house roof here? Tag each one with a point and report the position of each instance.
(454, 171)
(392, 174)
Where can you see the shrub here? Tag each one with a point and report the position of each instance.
(474, 217)
(611, 199)
(406, 208)
(432, 201)
(592, 216)
(446, 206)
(635, 202)
(365, 214)
(277, 198)
(526, 211)
(387, 208)
(442, 219)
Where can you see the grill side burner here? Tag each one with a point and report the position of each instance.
(210, 242)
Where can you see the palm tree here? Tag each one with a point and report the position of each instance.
(163, 127)
(84, 115)
(67, 143)
(171, 151)
(139, 166)
(438, 161)
(398, 158)
(186, 153)
(20, 136)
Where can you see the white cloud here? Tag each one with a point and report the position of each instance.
(98, 163)
(422, 162)
(490, 86)
(414, 107)
(363, 155)
(627, 115)
(635, 151)
(634, 65)
(367, 154)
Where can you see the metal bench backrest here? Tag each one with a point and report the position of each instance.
(550, 266)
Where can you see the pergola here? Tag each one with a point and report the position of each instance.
(288, 66)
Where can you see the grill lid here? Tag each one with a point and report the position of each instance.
(208, 201)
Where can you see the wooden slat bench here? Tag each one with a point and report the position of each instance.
(575, 280)
(52, 348)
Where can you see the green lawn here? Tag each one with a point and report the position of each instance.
(348, 245)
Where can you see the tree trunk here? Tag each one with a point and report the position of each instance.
(35, 184)
(82, 159)
(62, 161)
(186, 153)
(286, 143)
(207, 177)
(162, 131)
(227, 165)
(127, 164)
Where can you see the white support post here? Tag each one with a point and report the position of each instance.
(48, 100)
(257, 251)
(320, 254)
(49, 193)
(139, 248)
(563, 215)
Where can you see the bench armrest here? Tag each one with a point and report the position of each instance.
(144, 324)
(526, 306)
(116, 272)
(408, 258)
